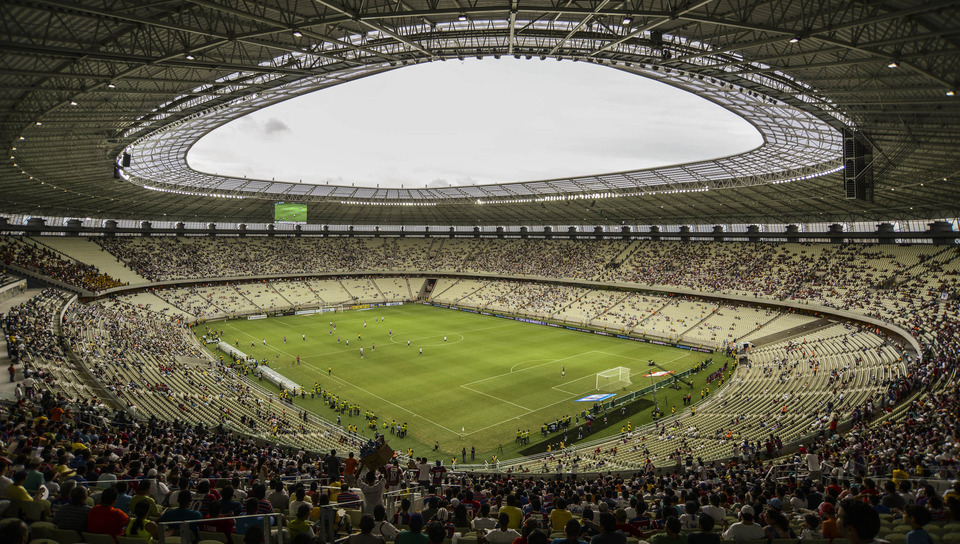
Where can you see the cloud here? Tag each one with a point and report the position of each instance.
(439, 183)
(274, 126)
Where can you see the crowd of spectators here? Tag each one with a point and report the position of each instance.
(184, 467)
(45, 261)
(90, 469)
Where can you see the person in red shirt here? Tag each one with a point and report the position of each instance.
(215, 523)
(437, 473)
(104, 518)
(350, 470)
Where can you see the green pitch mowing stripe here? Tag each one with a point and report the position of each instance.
(490, 376)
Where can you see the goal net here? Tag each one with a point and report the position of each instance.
(613, 379)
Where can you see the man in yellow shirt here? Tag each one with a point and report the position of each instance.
(16, 491)
(516, 515)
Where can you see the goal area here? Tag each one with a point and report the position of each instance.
(613, 379)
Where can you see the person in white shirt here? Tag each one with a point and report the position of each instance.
(300, 498)
(372, 490)
(745, 529)
(484, 521)
(502, 535)
(383, 527)
(813, 465)
(423, 472)
(714, 510)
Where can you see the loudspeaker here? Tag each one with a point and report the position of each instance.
(857, 167)
(126, 160)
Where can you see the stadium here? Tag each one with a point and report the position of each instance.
(758, 347)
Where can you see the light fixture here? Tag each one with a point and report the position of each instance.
(297, 34)
(111, 85)
(39, 123)
(189, 56)
(463, 16)
(795, 39)
(73, 103)
(627, 20)
(893, 64)
(951, 93)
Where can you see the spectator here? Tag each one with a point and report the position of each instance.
(609, 534)
(106, 518)
(745, 528)
(74, 516)
(705, 535)
(141, 527)
(916, 517)
(857, 521)
(671, 534)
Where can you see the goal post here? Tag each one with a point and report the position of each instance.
(613, 379)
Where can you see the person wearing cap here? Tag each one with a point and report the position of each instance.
(745, 529)
(828, 515)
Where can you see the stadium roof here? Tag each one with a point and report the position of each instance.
(84, 81)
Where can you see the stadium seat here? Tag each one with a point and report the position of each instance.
(951, 538)
(64, 536)
(355, 516)
(896, 538)
(237, 539)
(35, 510)
(903, 529)
(213, 535)
(97, 538)
(784, 541)
(40, 529)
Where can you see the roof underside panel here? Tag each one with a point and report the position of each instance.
(81, 82)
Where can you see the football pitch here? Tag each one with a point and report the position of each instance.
(477, 381)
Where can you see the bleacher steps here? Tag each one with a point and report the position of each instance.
(793, 332)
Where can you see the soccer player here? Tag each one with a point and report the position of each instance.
(264, 341)
(373, 347)
(304, 336)
(408, 343)
(444, 338)
(329, 371)
(361, 353)
(563, 371)
(421, 351)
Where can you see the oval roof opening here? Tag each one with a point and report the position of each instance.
(475, 122)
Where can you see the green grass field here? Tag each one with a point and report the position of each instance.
(290, 211)
(489, 378)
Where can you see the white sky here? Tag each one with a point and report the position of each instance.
(474, 122)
